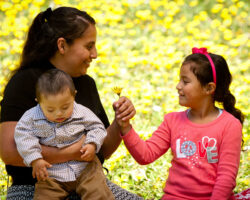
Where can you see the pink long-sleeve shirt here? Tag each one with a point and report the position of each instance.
(205, 156)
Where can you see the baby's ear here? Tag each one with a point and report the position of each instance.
(36, 100)
(75, 91)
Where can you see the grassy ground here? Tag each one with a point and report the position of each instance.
(141, 45)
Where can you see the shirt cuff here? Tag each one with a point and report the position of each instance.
(98, 145)
(131, 138)
(30, 158)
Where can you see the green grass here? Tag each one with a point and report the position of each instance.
(141, 45)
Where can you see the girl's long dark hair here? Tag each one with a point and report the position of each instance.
(202, 69)
(47, 27)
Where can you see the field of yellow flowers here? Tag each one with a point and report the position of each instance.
(141, 44)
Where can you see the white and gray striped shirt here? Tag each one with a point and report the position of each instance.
(34, 129)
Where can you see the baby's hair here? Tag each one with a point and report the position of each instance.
(201, 67)
(52, 82)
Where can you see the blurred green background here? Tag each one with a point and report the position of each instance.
(141, 44)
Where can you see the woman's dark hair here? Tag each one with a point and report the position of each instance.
(52, 82)
(47, 27)
(201, 67)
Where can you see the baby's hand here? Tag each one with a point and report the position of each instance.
(39, 167)
(88, 152)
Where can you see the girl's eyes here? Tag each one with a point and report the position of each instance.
(90, 46)
(50, 111)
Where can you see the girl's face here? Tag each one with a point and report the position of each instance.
(78, 56)
(57, 108)
(191, 93)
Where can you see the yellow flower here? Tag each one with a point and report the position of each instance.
(216, 8)
(215, 23)
(233, 9)
(117, 90)
(143, 14)
(193, 3)
(228, 35)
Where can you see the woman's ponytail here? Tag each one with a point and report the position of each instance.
(41, 41)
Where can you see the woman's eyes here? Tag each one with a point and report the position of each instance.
(89, 47)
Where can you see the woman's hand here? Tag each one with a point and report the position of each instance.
(55, 155)
(124, 109)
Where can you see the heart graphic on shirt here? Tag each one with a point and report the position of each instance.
(208, 142)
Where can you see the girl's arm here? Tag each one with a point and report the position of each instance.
(229, 159)
(10, 155)
(145, 152)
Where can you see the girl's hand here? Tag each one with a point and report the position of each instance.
(124, 111)
(88, 152)
(40, 169)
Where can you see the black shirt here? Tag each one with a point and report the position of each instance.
(19, 96)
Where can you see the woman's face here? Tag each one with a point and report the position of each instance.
(78, 55)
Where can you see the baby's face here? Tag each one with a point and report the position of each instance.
(57, 108)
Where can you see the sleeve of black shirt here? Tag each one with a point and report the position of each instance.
(19, 96)
(100, 112)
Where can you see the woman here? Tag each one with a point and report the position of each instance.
(65, 39)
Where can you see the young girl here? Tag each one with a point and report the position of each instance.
(205, 140)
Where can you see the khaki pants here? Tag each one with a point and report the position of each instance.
(90, 185)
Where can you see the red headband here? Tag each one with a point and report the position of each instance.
(204, 52)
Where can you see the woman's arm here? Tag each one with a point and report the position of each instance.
(10, 155)
(112, 140)
(8, 150)
(124, 110)
(56, 155)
